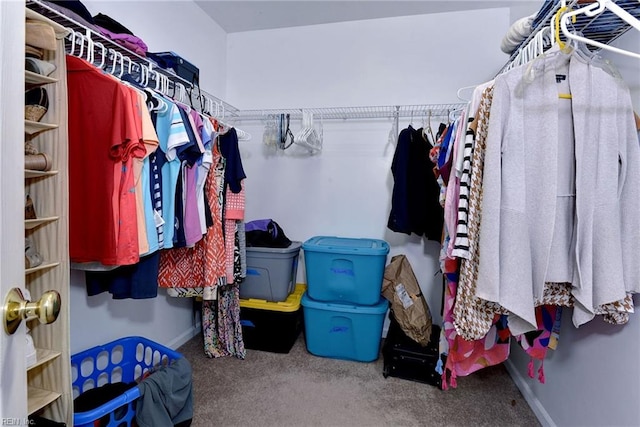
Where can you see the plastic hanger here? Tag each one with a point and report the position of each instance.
(77, 40)
(558, 19)
(90, 51)
(242, 135)
(81, 46)
(592, 10)
(578, 45)
(114, 61)
(462, 89)
(426, 128)
(103, 57)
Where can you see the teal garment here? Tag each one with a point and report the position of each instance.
(171, 134)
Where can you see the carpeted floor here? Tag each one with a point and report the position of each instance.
(299, 389)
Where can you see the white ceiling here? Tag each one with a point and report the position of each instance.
(239, 15)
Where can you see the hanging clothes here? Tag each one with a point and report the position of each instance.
(234, 201)
(414, 202)
(221, 324)
(147, 238)
(102, 205)
(172, 134)
(200, 270)
(461, 242)
(536, 343)
(522, 179)
(473, 317)
(221, 317)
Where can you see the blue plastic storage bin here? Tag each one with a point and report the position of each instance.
(123, 360)
(345, 270)
(344, 331)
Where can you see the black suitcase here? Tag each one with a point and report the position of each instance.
(404, 358)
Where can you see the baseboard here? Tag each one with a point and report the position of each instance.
(534, 403)
(184, 337)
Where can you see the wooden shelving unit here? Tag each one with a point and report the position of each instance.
(49, 392)
(43, 356)
(32, 128)
(31, 78)
(33, 223)
(30, 174)
(40, 398)
(41, 267)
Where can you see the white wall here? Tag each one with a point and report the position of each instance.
(406, 60)
(346, 190)
(593, 378)
(178, 26)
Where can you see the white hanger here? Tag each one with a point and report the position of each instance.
(242, 135)
(145, 71)
(90, 50)
(114, 61)
(213, 105)
(103, 57)
(81, 49)
(459, 93)
(77, 39)
(592, 10)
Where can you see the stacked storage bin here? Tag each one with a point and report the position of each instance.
(270, 301)
(343, 308)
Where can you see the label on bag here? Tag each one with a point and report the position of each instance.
(405, 299)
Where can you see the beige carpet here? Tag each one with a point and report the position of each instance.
(299, 389)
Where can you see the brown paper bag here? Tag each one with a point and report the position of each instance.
(408, 305)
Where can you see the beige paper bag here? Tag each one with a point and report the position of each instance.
(408, 305)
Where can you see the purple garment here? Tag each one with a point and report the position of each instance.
(258, 224)
(132, 43)
(192, 229)
(197, 120)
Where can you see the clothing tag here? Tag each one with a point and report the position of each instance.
(560, 78)
(157, 218)
(405, 299)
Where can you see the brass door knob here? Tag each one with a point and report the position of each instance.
(17, 309)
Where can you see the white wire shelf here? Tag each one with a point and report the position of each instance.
(345, 113)
(604, 27)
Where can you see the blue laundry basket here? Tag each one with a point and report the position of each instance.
(123, 360)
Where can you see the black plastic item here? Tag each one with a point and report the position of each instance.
(182, 67)
(75, 6)
(406, 359)
(108, 23)
(270, 330)
(266, 233)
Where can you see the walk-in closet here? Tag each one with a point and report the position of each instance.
(320, 213)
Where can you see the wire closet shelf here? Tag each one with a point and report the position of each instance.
(196, 94)
(362, 113)
(603, 28)
(229, 111)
